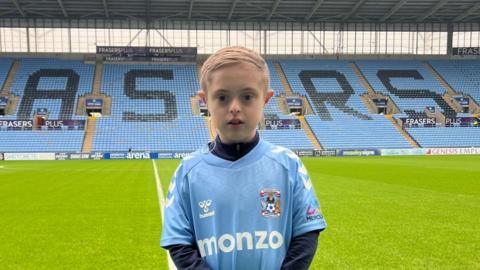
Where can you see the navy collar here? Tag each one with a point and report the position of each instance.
(234, 151)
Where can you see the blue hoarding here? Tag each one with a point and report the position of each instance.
(3, 102)
(94, 103)
(294, 102)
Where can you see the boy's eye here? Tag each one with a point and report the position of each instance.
(247, 97)
(222, 98)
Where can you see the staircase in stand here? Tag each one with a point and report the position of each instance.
(89, 134)
(308, 131)
(404, 133)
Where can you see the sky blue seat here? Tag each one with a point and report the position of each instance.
(45, 140)
(5, 64)
(41, 141)
(371, 68)
(184, 132)
(294, 139)
(462, 75)
(290, 138)
(30, 66)
(446, 136)
(342, 121)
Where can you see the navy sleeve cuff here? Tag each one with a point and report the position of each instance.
(187, 257)
(301, 251)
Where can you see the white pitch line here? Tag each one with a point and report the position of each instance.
(161, 202)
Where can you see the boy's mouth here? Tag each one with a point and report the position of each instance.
(235, 122)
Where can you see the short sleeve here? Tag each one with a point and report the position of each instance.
(177, 227)
(307, 215)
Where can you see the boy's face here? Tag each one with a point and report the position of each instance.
(235, 98)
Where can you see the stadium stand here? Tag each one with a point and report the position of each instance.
(275, 84)
(413, 88)
(150, 109)
(45, 81)
(41, 141)
(407, 82)
(151, 104)
(462, 75)
(446, 136)
(53, 84)
(5, 64)
(334, 90)
(290, 138)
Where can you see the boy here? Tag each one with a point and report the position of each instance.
(240, 202)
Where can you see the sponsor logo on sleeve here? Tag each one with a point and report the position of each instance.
(313, 211)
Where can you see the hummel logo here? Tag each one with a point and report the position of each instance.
(205, 205)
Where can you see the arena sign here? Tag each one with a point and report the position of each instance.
(150, 54)
(49, 125)
(304, 153)
(358, 152)
(294, 102)
(418, 122)
(282, 124)
(466, 51)
(461, 122)
(16, 125)
(324, 153)
(403, 152)
(29, 156)
(94, 103)
(453, 151)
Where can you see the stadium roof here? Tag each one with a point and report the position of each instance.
(368, 11)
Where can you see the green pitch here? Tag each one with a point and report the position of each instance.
(382, 213)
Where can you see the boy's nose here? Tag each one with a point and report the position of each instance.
(235, 106)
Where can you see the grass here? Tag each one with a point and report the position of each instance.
(398, 212)
(79, 215)
(382, 213)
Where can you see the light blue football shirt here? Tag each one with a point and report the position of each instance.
(241, 214)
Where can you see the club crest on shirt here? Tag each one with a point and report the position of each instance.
(270, 201)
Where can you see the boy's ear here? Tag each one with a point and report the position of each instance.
(202, 95)
(269, 95)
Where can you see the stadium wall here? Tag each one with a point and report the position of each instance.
(202, 57)
(301, 153)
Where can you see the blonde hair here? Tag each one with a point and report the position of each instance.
(230, 56)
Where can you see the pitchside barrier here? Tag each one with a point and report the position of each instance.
(300, 153)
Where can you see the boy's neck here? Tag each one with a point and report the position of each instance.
(234, 151)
